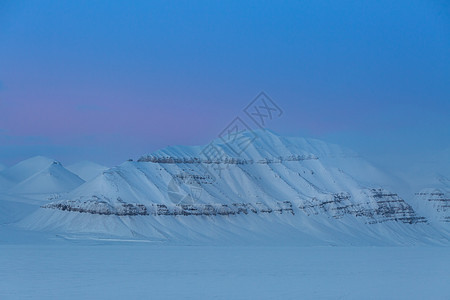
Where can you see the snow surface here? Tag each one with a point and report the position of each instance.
(114, 270)
(279, 190)
(53, 179)
(280, 251)
(27, 168)
(86, 170)
(38, 175)
(429, 181)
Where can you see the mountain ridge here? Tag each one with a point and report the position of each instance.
(38, 175)
(299, 184)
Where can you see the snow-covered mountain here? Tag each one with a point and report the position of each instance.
(86, 170)
(429, 181)
(53, 179)
(27, 168)
(292, 189)
(38, 175)
(433, 201)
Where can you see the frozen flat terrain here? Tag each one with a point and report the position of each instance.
(118, 270)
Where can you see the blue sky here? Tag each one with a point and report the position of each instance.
(109, 80)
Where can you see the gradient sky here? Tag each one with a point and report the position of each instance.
(110, 80)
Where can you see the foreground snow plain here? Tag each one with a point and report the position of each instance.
(46, 266)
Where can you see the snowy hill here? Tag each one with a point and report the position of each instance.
(278, 188)
(27, 168)
(53, 179)
(434, 200)
(429, 181)
(38, 175)
(86, 170)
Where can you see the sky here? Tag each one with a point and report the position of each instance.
(111, 80)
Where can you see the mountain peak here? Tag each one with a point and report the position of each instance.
(255, 145)
(51, 179)
(28, 167)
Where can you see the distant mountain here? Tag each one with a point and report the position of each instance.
(27, 168)
(53, 179)
(275, 188)
(86, 170)
(429, 181)
(39, 175)
(433, 201)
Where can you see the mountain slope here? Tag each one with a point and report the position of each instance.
(86, 170)
(53, 179)
(430, 183)
(27, 168)
(434, 201)
(278, 188)
(38, 175)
